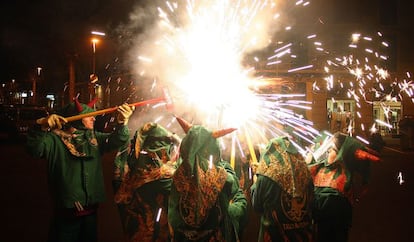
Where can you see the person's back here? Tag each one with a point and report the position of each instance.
(340, 179)
(143, 177)
(283, 194)
(206, 203)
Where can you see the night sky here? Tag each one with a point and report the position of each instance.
(43, 33)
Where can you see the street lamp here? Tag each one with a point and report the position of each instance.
(93, 78)
(95, 41)
(34, 84)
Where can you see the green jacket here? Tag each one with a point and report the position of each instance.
(283, 193)
(206, 203)
(74, 162)
(143, 173)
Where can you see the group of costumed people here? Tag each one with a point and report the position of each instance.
(169, 188)
(172, 189)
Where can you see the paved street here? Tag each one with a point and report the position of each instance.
(384, 214)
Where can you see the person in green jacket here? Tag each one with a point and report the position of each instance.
(340, 169)
(74, 153)
(283, 193)
(206, 202)
(143, 171)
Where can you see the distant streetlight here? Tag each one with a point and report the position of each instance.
(93, 78)
(95, 40)
(34, 84)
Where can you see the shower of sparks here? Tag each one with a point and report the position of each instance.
(205, 53)
(200, 52)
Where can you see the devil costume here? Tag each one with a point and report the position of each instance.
(340, 179)
(75, 175)
(142, 181)
(283, 193)
(206, 203)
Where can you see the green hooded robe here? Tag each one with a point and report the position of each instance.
(206, 203)
(75, 175)
(283, 194)
(339, 184)
(142, 182)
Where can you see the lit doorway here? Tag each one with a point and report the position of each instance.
(341, 115)
(390, 114)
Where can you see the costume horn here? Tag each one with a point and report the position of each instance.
(363, 155)
(222, 132)
(79, 107)
(92, 102)
(184, 124)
